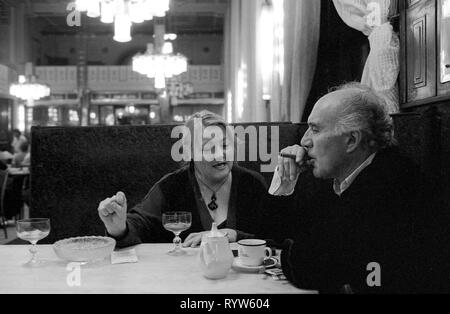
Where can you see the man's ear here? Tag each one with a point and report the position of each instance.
(354, 140)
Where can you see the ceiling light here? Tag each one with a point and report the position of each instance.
(27, 87)
(159, 61)
(123, 13)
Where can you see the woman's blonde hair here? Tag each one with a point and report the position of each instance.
(208, 119)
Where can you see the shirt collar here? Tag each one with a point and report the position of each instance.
(340, 188)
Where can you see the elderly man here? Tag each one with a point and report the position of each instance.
(358, 218)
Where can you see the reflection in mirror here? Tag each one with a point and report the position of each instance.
(445, 42)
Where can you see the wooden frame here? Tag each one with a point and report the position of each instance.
(427, 89)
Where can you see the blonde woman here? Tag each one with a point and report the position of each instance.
(214, 190)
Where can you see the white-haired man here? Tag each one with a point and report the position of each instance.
(358, 220)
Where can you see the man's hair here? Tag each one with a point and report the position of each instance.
(17, 131)
(363, 110)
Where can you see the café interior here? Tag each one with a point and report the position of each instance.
(91, 90)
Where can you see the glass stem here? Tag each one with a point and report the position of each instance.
(33, 251)
(177, 242)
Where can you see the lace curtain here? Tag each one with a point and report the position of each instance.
(382, 67)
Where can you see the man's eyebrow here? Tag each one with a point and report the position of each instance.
(313, 125)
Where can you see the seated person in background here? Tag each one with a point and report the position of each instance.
(18, 139)
(213, 191)
(27, 159)
(20, 155)
(361, 203)
(13, 200)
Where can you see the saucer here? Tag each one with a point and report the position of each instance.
(268, 263)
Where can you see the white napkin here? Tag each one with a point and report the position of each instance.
(124, 256)
(278, 187)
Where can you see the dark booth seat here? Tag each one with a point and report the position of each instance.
(73, 169)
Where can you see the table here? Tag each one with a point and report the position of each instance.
(23, 171)
(156, 273)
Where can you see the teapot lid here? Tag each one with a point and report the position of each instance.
(215, 233)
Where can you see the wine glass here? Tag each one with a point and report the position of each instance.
(33, 230)
(177, 222)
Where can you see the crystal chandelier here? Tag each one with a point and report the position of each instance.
(159, 61)
(27, 88)
(160, 65)
(123, 13)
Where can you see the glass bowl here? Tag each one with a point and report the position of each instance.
(84, 249)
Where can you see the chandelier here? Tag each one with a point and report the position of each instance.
(27, 88)
(160, 66)
(159, 61)
(123, 13)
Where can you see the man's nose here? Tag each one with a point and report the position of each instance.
(306, 140)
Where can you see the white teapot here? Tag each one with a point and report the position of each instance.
(216, 256)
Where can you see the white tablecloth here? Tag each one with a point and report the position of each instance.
(156, 272)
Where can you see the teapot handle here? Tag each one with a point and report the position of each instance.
(207, 254)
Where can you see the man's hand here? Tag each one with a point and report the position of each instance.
(195, 239)
(288, 168)
(113, 213)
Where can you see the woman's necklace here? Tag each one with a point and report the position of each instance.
(213, 205)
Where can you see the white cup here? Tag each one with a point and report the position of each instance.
(253, 252)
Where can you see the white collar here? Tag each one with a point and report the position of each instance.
(340, 188)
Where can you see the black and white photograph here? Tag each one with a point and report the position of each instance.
(226, 154)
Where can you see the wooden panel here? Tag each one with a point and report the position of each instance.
(443, 47)
(411, 3)
(421, 51)
(440, 124)
(402, 37)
